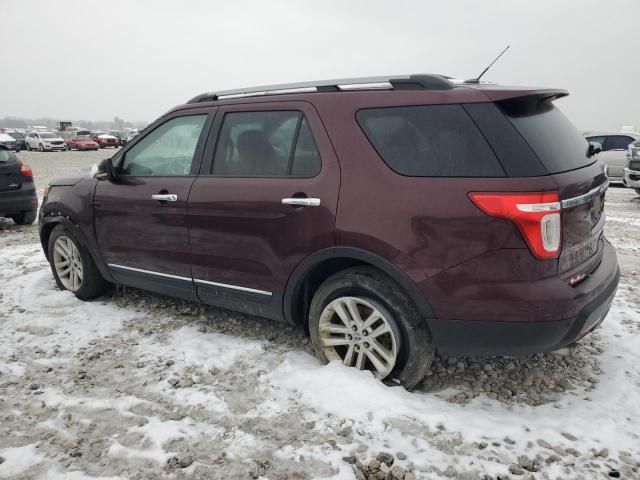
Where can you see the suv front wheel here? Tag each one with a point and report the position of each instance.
(72, 265)
(365, 320)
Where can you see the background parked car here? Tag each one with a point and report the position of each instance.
(18, 199)
(81, 140)
(632, 171)
(104, 139)
(19, 138)
(7, 141)
(44, 141)
(615, 147)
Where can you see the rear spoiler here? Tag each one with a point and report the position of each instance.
(525, 95)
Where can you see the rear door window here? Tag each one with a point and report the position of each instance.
(429, 141)
(618, 142)
(266, 144)
(554, 139)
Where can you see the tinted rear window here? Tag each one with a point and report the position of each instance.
(429, 141)
(553, 138)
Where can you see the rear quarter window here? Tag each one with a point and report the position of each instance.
(553, 138)
(429, 141)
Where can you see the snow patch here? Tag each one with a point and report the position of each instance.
(19, 460)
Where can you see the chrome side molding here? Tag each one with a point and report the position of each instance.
(193, 280)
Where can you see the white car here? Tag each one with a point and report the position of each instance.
(615, 147)
(44, 141)
(7, 141)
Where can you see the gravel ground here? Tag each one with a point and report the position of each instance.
(138, 385)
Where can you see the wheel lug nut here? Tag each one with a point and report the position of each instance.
(356, 348)
(365, 333)
(354, 328)
(366, 345)
(349, 337)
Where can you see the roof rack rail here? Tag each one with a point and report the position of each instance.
(397, 82)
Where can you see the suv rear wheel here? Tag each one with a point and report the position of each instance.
(365, 320)
(72, 265)
(25, 218)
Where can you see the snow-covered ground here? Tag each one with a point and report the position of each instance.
(137, 385)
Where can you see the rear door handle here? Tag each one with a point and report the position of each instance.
(303, 202)
(165, 197)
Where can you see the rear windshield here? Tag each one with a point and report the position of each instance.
(429, 141)
(554, 139)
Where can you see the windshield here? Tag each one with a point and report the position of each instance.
(17, 135)
(47, 135)
(550, 134)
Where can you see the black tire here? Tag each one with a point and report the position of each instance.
(416, 350)
(28, 147)
(93, 284)
(25, 218)
(41, 147)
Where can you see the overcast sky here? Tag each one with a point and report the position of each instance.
(71, 59)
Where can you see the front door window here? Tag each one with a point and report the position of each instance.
(167, 151)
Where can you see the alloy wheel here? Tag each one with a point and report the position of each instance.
(68, 263)
(360, 333)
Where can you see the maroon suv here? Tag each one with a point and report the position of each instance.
(388, 216)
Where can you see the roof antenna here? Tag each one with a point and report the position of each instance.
(477, 79)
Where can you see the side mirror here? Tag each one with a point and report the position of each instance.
(594, 148)
(106, 170)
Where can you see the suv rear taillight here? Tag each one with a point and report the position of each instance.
(25, 169)
(537, 216)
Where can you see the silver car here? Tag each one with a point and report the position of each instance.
(631, 177)
(615, 147)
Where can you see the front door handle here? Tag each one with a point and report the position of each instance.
(165, 197)
(303, 202)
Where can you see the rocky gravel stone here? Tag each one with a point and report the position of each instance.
(386, 458)
(397, 472)
(450, 472)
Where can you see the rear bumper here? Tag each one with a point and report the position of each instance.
(16, 201)
(631, 178)
(481, 337)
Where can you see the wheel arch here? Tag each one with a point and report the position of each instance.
(317, 267)
(47, 224)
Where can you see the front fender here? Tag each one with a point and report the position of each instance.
(72, 206)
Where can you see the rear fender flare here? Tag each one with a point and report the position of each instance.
(299, 274)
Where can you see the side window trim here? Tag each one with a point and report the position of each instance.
(200, 146)
(206, 168)
(294, 143)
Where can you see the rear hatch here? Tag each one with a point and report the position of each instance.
(581, 180)
(10, 176)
